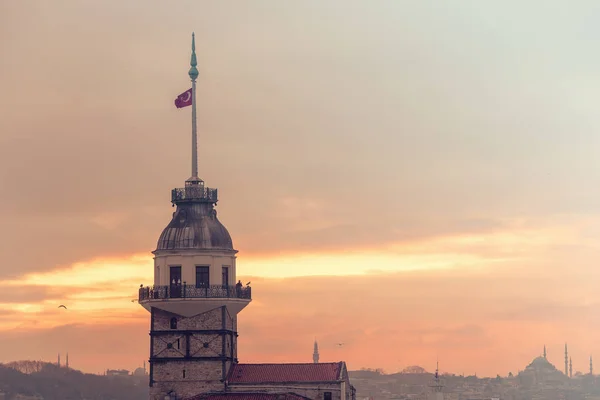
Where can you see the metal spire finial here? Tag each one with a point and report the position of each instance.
(193, 61)
(193, 73)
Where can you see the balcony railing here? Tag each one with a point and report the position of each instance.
(194, 292)
(194, 193)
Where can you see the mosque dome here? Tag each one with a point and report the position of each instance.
(541, 364)
(195, 226)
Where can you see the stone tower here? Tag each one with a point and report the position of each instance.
(316, 353)
(194, 301)
(591, 366)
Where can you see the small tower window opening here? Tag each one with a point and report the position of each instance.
(184, 374)
(202, 276)
(225, 275)
(327, 396)
(178, 344)
(173, 323)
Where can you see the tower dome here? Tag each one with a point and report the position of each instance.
(195, 224)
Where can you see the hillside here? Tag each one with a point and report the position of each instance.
(38, 380)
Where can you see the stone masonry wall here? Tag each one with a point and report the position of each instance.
(231, 345)
(208, 320)
(200, 375)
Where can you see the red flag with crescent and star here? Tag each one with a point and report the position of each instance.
(184, 99)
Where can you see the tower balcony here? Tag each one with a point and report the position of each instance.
(189, 300)
(194, 292)
(194, 193)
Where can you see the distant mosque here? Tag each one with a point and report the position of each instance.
(540, 370)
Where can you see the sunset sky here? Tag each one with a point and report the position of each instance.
(418, 180)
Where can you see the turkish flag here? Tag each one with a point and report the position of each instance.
(184, 99)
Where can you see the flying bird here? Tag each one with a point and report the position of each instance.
(340, 344)
(62, 306)
(248, 284)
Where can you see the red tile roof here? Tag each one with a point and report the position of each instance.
(282, 373)
(248, 396)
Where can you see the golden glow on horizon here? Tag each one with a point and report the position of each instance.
(95, 272)
(103, 291)
(99, 292)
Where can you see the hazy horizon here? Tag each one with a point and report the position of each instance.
(417, 180)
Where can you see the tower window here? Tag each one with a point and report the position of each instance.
(327, 396)
(225, 275)
(184, 374)
(202, 276)
(173, 323)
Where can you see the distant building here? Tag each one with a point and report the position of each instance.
(117, 372)
(141, 371)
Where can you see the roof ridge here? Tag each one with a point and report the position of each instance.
(306, 363)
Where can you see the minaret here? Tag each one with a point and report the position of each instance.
(570, 367)
(67, 361)
(545, 352)
(194, 300)
(566, 361)
(58, 363)
(591, 367)
(316, 353)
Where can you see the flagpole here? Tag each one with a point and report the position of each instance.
(193, 73)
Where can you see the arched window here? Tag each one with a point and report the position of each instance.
(173, 323)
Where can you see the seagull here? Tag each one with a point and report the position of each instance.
(62, 306)
(248, 284)
(340, 344)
